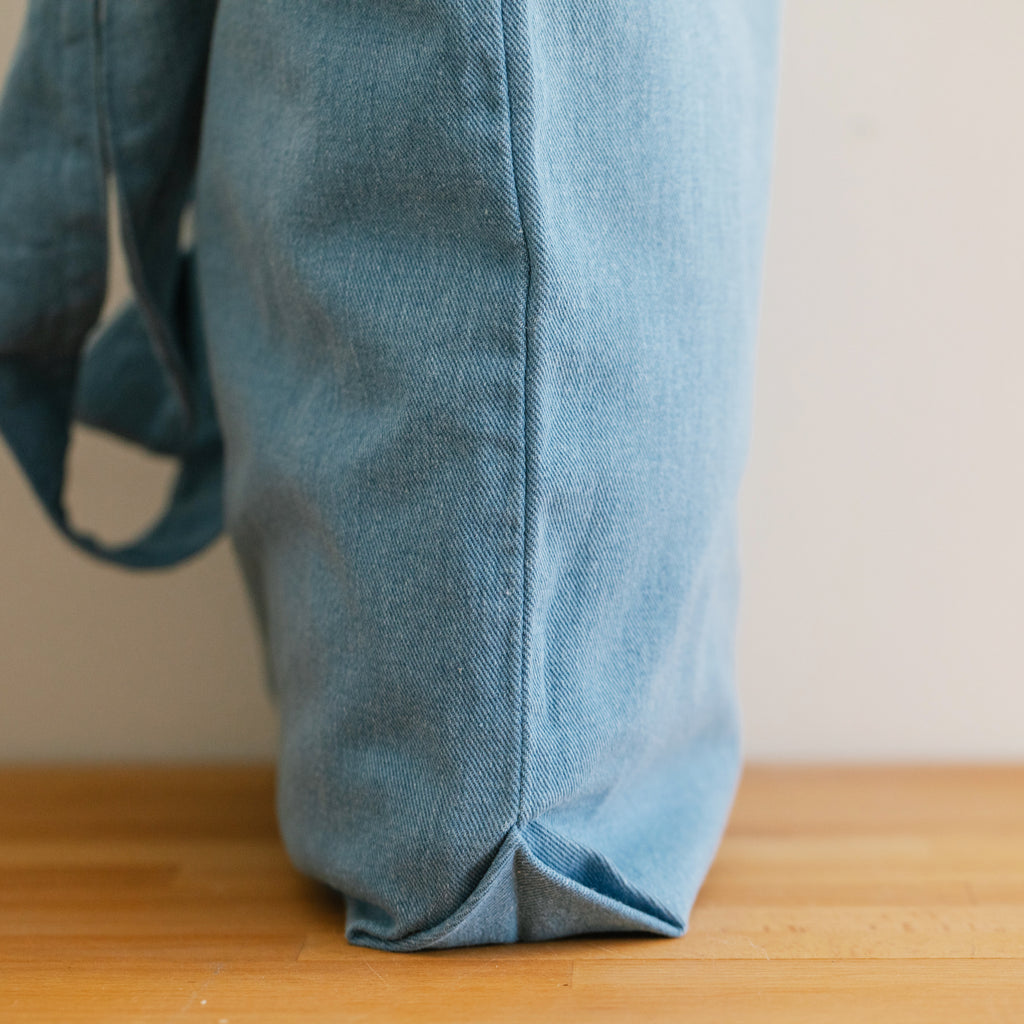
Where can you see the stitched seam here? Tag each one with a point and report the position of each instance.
(67, 326)
(156, 329)
(527, 533)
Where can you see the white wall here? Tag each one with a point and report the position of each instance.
(883, 534)
(882, 540)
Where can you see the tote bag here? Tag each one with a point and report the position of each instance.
(460, 356)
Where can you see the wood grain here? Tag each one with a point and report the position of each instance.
(144, 893)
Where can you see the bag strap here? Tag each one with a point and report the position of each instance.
(109, 90)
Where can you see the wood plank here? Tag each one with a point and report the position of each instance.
(408, 988)
(149, 893)
(914, 799)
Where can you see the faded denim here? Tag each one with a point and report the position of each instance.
(461, 356)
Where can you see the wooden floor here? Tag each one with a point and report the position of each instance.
(877, 895)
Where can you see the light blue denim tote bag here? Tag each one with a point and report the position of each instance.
(460, 355)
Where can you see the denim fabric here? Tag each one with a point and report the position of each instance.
(463, 353)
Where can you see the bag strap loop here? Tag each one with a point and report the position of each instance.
(110, 90)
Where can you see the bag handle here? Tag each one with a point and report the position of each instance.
(106, 90)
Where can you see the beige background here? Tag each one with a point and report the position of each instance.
(882, 536)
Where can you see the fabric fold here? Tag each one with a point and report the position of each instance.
(539, 886)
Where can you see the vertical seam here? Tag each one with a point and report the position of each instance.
(157, 330)
(515, 130)
(67, 327)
